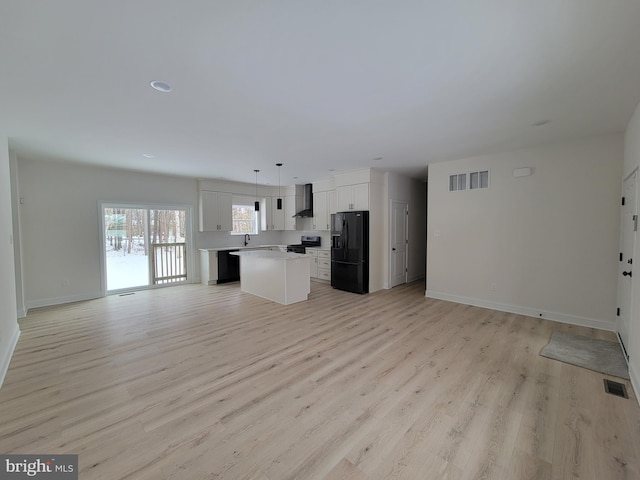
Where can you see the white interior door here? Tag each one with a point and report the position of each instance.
(628, 227)
(399, 240)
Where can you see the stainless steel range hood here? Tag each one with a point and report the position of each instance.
(304, 201)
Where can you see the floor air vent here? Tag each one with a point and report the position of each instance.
(125, 294)
(615, 388)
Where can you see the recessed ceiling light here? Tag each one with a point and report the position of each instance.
(148, 155)
(161, 86)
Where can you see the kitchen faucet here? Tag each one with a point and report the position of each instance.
(246, 239)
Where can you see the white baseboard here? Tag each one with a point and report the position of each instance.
(635, 381)
(60, 300)
(530, 312)
(6, 356)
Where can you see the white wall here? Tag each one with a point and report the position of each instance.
(632, 161)
(542, 245)
(60, 222)
(17, 234)
(9, 330)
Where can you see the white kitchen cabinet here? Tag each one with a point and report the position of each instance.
(266, 215)
(278, 215)
(215, 212)
(270, 217)
(332, 197)
(324, 264)
(289, 209)
(353, 197)
(312, 253)
(320, 211)
(319, 263)
(208, 267)
(324, 204)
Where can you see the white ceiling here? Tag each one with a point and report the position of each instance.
(323, 86)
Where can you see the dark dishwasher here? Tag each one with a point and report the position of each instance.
(228, 266)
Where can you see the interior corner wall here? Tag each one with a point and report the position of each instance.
(377, 235)
(631, 162)
(417, 230)
(543, 245)
(60, 219)
(17, 234)
(9, 330)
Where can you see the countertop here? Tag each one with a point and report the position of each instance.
(269, 254)
(248, 247)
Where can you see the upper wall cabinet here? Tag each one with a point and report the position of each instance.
(332, 202)
(320, 211)
(289, 212)
(270, 217)
(273, 219)
(324, 204)
(266, 217)
(353, 197)
(215, 212)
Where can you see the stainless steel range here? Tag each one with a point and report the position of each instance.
(305, 241)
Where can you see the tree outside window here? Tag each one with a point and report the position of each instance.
(245, 220)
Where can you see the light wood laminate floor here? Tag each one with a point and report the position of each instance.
(197, 382)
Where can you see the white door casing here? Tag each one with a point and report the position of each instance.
(398, 243)
(628, 227)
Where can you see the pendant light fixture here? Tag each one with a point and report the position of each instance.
(256, 205)
(279, 201)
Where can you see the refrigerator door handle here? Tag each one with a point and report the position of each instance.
(346, 243)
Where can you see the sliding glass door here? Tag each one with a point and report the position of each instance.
(144, 246)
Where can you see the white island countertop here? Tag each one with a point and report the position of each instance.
(282, 277)
(268, 254)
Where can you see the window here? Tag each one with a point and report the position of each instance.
(245, 218)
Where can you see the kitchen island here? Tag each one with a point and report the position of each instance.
(279, 276)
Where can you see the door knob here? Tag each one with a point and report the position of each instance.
(394, 249)
(626, 273)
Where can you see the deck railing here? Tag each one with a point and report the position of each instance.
(169, 263)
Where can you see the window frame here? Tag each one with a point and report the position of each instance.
(244, 202)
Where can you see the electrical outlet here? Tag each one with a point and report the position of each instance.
(494, 287)
(65, 283)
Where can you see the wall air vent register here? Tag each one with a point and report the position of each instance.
(469, 181)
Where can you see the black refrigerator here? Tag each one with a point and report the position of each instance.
(350, 251)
